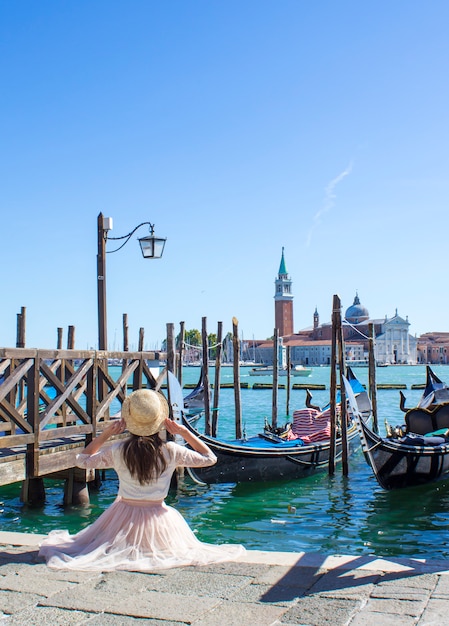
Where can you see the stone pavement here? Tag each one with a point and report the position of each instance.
(262, 588)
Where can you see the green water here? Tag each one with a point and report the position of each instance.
(331, 515)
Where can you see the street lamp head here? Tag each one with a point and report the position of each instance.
(152, 247)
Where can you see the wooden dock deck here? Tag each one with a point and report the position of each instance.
(53, 402)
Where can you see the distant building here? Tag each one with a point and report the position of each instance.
(393, 342)
(312, 346)
(433, 348)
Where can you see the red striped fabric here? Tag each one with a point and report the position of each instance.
(310, 425)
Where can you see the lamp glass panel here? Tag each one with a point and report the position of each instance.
(158, 247)
(152, 247)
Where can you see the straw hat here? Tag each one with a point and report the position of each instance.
(144, 412)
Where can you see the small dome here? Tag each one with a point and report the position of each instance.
(357, 312)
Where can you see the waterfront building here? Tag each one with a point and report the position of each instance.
(393, 342)
(433, 348)
(312, 346)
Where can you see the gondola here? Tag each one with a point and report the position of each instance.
(194, 401)
(268, 457)
(415, 453)
(436, 392)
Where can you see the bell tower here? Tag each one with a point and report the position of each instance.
(283, 301)
(316, 319)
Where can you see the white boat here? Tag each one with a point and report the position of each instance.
(357, 363)
(267, 370)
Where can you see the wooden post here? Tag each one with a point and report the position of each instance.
(141, 339)
(217, 379)
(71, 338)
(236, 368)
(274, 406)
(372, 376)
(91, 402)
(138, 372)
(181, 346)
(60, 337)
(101, 306)
(170, 347)
(20, 340)
(125, 341)
(75, 491)
(101, 284)
(33, 491)
(289, 364)
(18, 330)
(333, 386)
(125, 333)
(20, 343)
(32, 454)
(63, 368)
(170, 360)
(207, 421)
(343, 420)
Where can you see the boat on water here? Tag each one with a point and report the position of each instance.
(357, 363)
(267, 370)
(435, 393)
(298, 449)
(194, 401)
(413, 453)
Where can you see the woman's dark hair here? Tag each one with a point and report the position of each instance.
(143, 457)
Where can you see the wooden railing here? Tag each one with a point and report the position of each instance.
(53, 401)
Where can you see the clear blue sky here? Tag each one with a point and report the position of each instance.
(237, 128)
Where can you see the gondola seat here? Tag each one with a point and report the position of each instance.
(420, 421)
(442, 417)
(424, 421)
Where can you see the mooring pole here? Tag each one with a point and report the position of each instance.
(218, 351)
(333, 385)
(181, 346)
(236, 368)
(274, 407)
(206, 383)
(343, 419)
(125, 333)
(289, 364)
(372, 376)
(170, 359)
(21, 317)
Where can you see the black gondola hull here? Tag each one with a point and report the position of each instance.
(243, 463)
(396, 465)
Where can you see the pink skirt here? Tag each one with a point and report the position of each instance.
(139, 536)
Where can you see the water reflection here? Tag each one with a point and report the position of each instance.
(409, 521)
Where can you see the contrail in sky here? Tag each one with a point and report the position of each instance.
(329, 197)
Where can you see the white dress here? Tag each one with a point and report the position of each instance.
(138, 532)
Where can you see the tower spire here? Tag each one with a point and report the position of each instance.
(282, 267)
(283, 301)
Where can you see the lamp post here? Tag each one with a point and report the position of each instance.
(152, 247)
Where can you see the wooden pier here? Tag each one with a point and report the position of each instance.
(52, 403)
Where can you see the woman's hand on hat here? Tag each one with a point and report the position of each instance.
(174, 428)
(116, 427)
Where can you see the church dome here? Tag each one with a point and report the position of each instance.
(357, 312)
